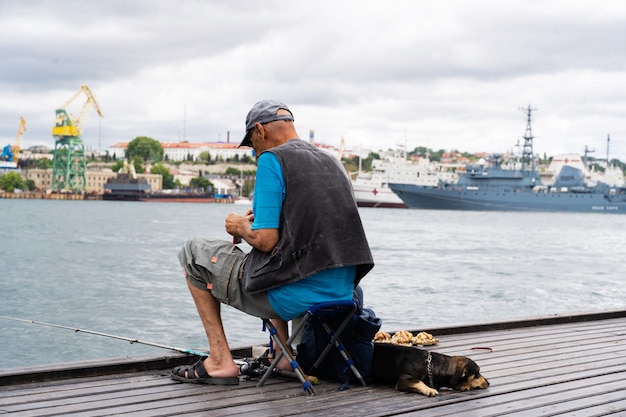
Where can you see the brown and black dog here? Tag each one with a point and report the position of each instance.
(407, 367)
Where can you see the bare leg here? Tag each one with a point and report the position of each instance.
(282, 329)
(220, 362)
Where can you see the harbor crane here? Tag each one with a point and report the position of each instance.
(69, 164)
(10, 154)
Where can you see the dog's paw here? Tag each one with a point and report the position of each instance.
(408, 383)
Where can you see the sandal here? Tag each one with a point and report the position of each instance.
(266, 358)
(202, 377)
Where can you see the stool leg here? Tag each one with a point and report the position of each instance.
(334, 335)
(346, 357)
(335, 341)
(306, 384)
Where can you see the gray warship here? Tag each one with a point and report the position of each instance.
(496, 188)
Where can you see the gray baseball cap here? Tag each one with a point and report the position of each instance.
(264, 111)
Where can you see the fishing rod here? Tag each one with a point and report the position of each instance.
(247, 366)
(113, 336)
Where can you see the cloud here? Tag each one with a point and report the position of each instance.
(450, 74)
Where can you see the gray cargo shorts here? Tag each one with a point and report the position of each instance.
(217, 266)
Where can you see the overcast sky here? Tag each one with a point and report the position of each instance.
(441, 74)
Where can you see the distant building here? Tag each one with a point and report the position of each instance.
(182, 175)
(95, 179)
(36, 152)
(223, 187)
(185, 151)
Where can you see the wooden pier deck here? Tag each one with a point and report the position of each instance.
(571, 365)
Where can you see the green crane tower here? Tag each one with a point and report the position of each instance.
(69, 164)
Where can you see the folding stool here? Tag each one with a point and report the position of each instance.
(322, 312)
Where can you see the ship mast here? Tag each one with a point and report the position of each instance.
(528, 161)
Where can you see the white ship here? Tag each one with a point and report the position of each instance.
(371, 188)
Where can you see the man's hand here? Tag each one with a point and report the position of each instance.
(250, 216)
(236, 224)
(241, 226)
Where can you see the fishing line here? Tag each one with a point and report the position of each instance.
(112, 336)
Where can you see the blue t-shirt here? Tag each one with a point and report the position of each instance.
(291, 300)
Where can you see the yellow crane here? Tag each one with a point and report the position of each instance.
(10, 154)
(65, 126)
(69, 163)
(18, 139)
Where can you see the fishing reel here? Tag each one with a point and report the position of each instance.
(250, 367)
(255, 368)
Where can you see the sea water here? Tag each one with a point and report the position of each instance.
(111, 267)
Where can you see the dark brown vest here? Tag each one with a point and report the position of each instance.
(320, 226)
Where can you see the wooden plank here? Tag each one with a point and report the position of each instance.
(272, 406)
(549, 336)
(579, 401)
(211, 404)
(551, 353)
(508, 335)
(563, 364)
(521, 384)
(617, 407)
(548, 353)
(127, 402)
(474, 403)
(89, 369)
(550, 400)
(80, 387)
(323, 403)
(528, 322)
(109, 366)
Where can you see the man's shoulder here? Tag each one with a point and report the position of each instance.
(265, 157)
(297, 145)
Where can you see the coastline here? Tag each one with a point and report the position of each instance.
(156, 198)
(39, 195)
